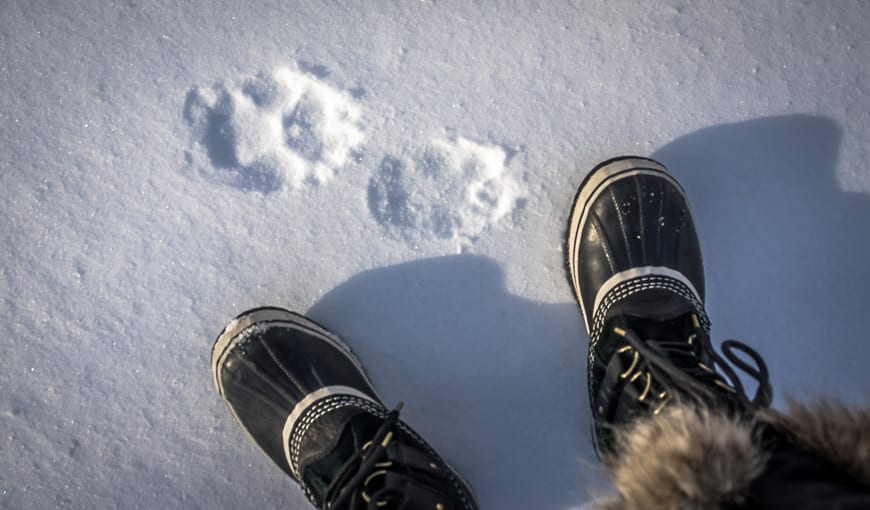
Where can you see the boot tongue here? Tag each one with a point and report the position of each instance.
(331, 440)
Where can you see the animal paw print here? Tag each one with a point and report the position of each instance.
(286, 129)
(451, 189)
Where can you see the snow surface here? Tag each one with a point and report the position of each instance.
(401, 171)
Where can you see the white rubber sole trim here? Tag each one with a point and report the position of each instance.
(590, 190)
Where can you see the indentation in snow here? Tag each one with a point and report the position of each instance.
(451, 189)
(284, 129)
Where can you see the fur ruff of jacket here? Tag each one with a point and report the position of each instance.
(691, 458)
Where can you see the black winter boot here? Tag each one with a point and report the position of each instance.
(634, 262)
(305, 400)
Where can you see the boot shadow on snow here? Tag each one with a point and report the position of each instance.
(485, 375)
(785, 248)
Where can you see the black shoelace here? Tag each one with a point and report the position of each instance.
(359, 474)
(660, 365)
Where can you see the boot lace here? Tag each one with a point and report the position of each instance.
(661, 366)
(356, 484)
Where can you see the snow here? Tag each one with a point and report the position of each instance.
(280, 130)
(402, 172)
(451, 189)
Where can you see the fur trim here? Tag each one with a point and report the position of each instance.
(829, 429)
(685, 458)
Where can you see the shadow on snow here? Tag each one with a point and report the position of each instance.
(785, 248)
(494, 381)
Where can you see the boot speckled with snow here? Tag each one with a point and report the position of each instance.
(304, 399)
(634, 262)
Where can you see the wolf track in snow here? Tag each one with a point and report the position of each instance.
(280, 130)
(452, 189)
